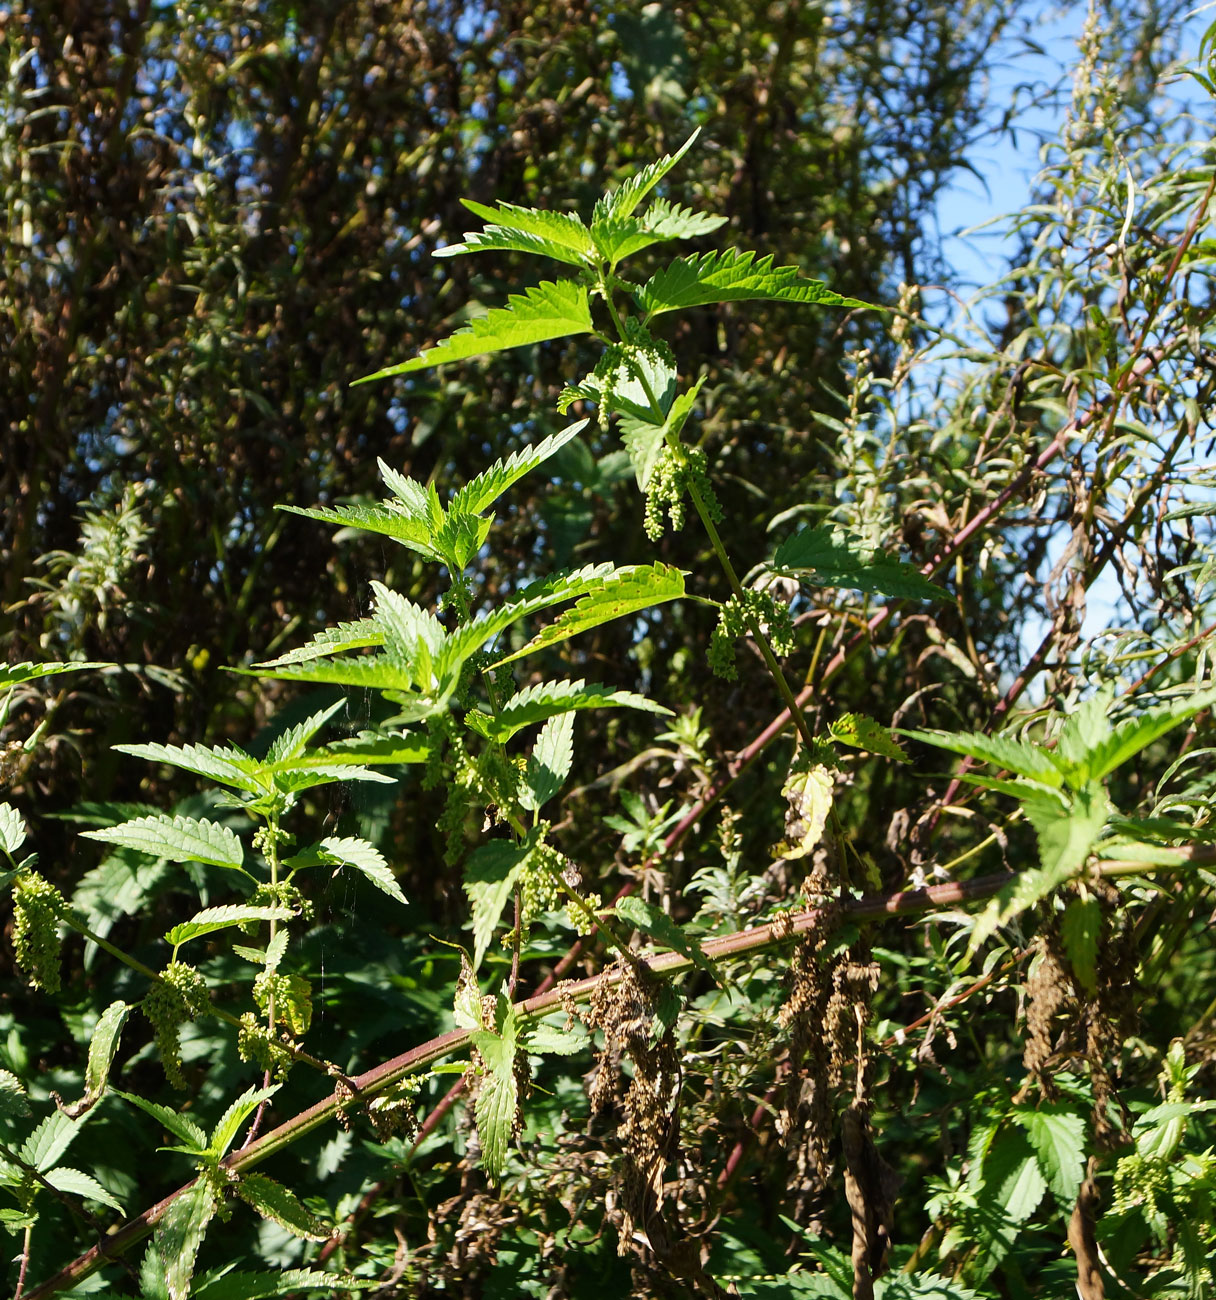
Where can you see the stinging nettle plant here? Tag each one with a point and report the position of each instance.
(456, 705)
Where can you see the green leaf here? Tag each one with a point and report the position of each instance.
(666, 220)
(181, 1126)
(657, 925)
(274, 1201)
(644, 440)
(544, 700)
(729, 275)
(384, 519)
(367, 860)
(550, 310)
(1031, 761)
(546, 1039)
(1080, 927)
(862, 732)
(621, 202)
(102, 1045)
(831, 557)
(179, 1235)
(626, 591)
(498, 1097)
(489, 879)
(212, 919)
(480, 493)
(231, 766)
(1085, 730)
(341, 639)
(1135, 734)
(367, 749)
(1011, 1175)
(49, 1141)
(229, 1125)
(286, 1282)
(176, 839)
(16, 674)
(12, 828)
(549, 763)
(81, 1184)
(560, 235)
(1058, 1138)
(13, 1103)
(290, 744)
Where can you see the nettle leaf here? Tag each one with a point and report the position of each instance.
(490, 875)
(16, 674)
(1011, 1175)
(667, 220)
(546, 1038)
(498, 1097)
(622, 202)
(1066, 833)
(1031, 761)
(179, 1235)
(657, 925)
(862, 732)
(82, 1184)
(809, 795)
(367, 860)
(274, 1201)
(549, 763)
(560, 235)
(551, 310)
(176, 839)
(1084, 730)
(1135, 734)
(290, 744)
(418, 500)
(103, 1043)
(12, 828)
(644, 440)
(49, 1141)
(229, 766)
(287, 1282)
(341, 639)
(461, 537)
(369, 748)
(1080, 927)
(212, 919)
(481, 493)
(181, 1126)
(729, 275)
(544, 700)
(617, 238)
(831, 557)
(1058, 1138)
(384, 518)
(625, 591)
(13, 1103)
(229, 1125)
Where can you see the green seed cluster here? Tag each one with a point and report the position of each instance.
(254, 1042)
(292, 995)
(736, 618)
(181, 995)
(540, 890)
(281, 894)
(676, 471)
(37, 907)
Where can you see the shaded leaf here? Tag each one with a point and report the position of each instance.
(1058, 1138)
(368, 861)
(489, 879)
(102, 1045)
(181, 1126)
(1080, 927)
(830, 557)
(229, 1124)
(657, 925)
(81, 1184)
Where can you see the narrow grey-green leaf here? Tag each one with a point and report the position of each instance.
(367, 860)
(212, 919)
(550, 310)
(176, 839)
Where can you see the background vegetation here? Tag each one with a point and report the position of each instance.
(217, 217)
